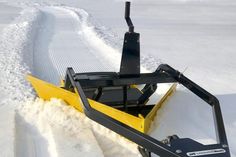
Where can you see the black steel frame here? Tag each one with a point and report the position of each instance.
(130, 75)
(179, 147)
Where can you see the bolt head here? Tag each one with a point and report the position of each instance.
(224, 145)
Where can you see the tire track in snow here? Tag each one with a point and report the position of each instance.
(94, 38)
(58, 46)
(41, 59)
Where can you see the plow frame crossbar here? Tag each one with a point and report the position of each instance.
(164, 74)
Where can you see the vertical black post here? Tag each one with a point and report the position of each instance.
(127, 17)
(130, 61)
(125, 97)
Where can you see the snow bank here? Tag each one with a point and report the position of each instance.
(16, 38)
(17, 41)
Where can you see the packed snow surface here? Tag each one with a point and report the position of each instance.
(45, 37)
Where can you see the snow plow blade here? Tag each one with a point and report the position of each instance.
(139, 122)
(115, 100)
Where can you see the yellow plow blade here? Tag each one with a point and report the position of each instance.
(47, 91)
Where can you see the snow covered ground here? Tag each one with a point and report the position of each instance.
(45, 37)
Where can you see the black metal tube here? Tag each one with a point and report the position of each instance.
(127, 17)
(125, 97)
(127, 9)
(204, 95)
(213, 102)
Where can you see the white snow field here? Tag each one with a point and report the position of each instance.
(44, 37)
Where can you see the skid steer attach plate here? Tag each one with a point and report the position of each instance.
(114, 101)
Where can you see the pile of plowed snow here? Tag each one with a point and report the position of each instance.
(71, 133)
